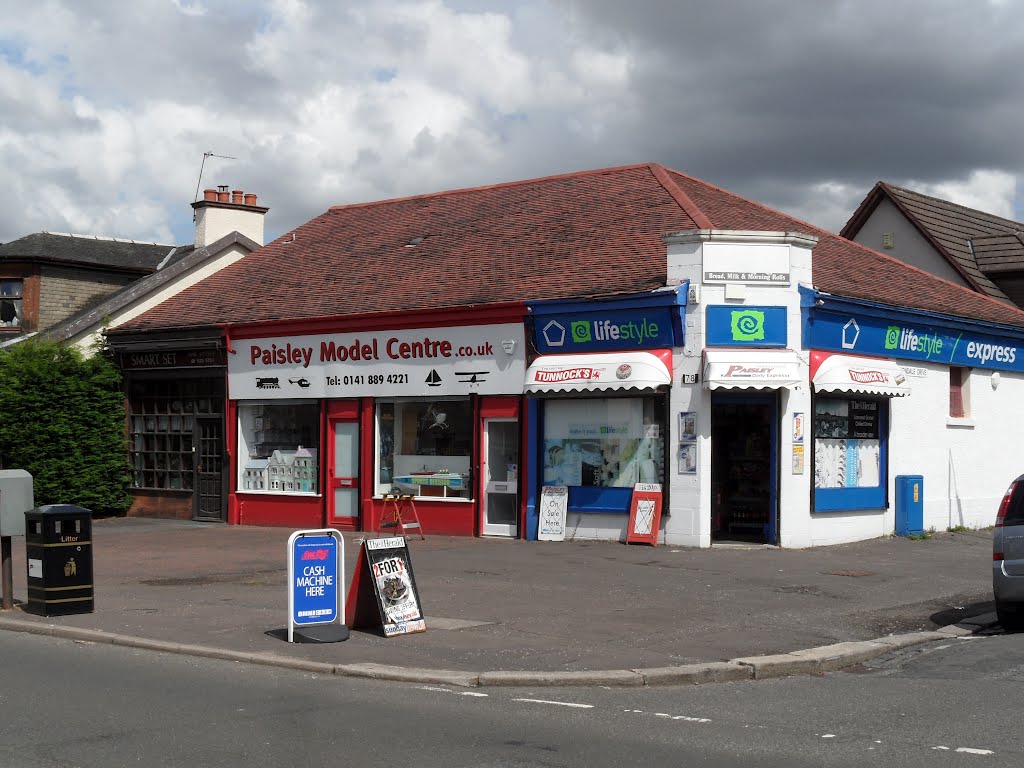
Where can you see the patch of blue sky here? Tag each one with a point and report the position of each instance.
(14, 54)
(182, 226)
(385, 74)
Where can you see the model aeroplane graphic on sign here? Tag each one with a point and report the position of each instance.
(472, 377)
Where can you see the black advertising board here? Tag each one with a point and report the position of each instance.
(383, 576)
(846, 419)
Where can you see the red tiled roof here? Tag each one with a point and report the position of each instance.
(845, 268)
(580, 234)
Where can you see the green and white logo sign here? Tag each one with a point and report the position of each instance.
(747, 325)
(581, 332)
(618, 329)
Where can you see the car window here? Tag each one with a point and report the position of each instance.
(1015, 512)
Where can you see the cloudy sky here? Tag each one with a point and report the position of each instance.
(106, 108)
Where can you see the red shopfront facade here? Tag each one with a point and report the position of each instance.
(327, 417)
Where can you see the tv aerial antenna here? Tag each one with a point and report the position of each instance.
(203, 164)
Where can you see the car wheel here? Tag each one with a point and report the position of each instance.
(1010, 618)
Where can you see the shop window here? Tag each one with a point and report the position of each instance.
(425, 447)
(161, 425)
(11, 304)
(959, 392)
(603, 443)
(849, 453)
(278, 445)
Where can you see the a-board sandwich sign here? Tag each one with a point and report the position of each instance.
(383, 590)
(554, 501)
(644, 514)
(316, 602)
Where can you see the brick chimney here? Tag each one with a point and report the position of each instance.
(220, 213)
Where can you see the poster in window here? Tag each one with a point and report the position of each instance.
(687, 425)
(602, 443)
(847, 445)
(688, 458)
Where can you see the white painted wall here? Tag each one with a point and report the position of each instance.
(213, 223)
(909, 245)
(966, 463)
(689, 521)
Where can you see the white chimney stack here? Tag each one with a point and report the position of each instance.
(220, 213)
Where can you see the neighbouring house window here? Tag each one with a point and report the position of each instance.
(849, 453)
(11, 304)
(959, 391)
(606, 442)
(278, 447)
(161, 425)
(425, 447)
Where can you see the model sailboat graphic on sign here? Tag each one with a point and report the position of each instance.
(433, 378)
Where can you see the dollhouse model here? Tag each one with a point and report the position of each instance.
(292, 470)
(254, 478)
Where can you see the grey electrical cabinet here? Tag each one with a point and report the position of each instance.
(15, 500)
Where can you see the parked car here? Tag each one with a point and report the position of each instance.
(1008, 558)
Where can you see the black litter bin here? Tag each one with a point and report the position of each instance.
(58, 548)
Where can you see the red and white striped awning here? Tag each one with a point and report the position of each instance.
(751, 368)
(601, 371)
(852, 373)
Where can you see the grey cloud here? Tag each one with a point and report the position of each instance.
(768, 99)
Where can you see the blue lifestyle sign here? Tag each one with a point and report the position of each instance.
(895, 337)
(315, 565)
(609, 330)
(746, 326)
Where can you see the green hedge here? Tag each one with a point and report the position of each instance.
(62, 419)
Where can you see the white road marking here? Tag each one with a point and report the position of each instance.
(828, 735)
(970, 751)
(685, 718)
(556, 703)
(942, 748)
(439, 689)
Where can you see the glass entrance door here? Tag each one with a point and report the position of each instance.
(744, 468)
(343, 474)
(499, 508)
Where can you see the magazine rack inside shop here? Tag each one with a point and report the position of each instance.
(400, 514)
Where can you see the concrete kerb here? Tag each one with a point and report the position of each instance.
(809, 661)
(616, 677)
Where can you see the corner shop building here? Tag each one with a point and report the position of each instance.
(772, 404)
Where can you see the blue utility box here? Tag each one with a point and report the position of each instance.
(909, 505)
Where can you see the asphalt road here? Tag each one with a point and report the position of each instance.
(66, 704)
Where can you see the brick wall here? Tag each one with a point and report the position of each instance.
(63, 292)
(176, 506)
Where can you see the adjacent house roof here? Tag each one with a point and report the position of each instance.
(975, 243)
(999, 253)
(93, 317)
(87, 251)
(582, 234)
